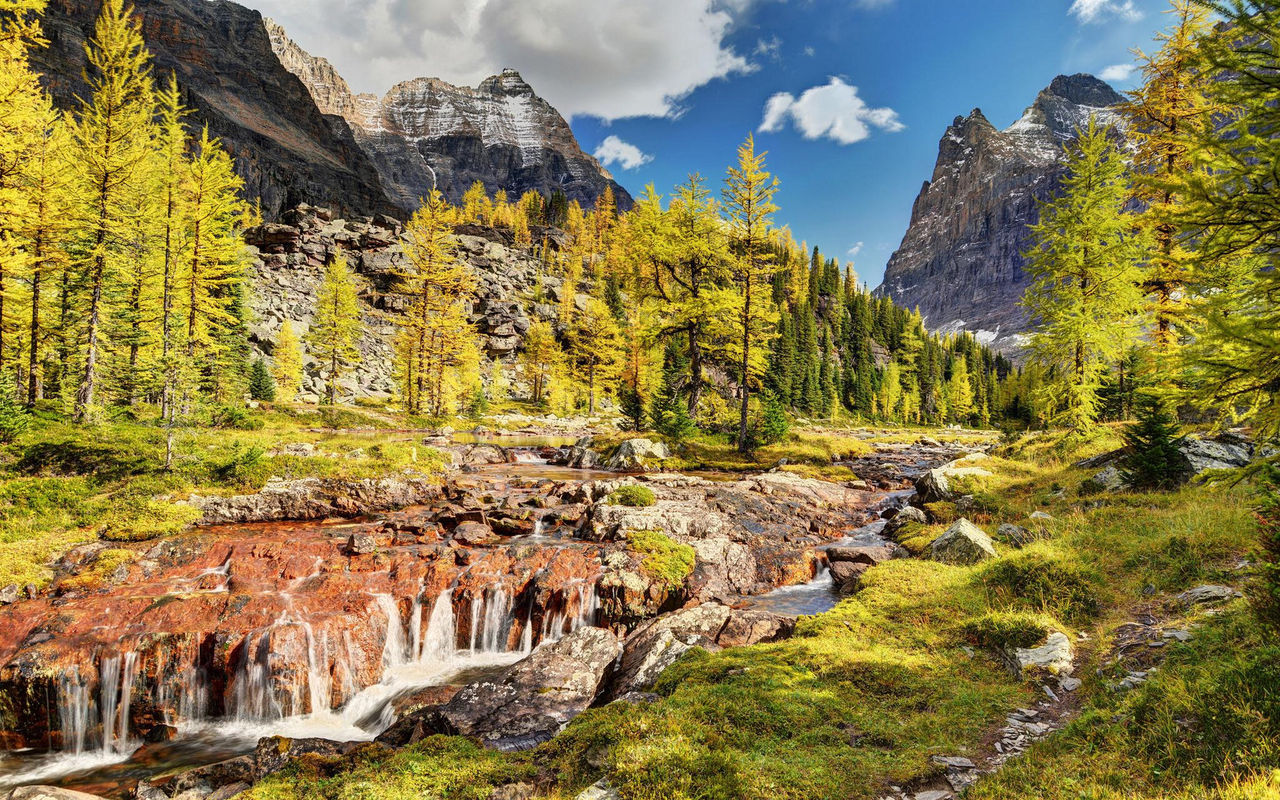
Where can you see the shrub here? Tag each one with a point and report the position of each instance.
(1264, 592)
(1153, 461)
(13, 418)
(632, 406)
(633, 496)
(235, 418)
(774, 425)
(241, 465)
(661, 558)
(101, 462)
(148, 519)
(1042, 583)
(1002, 631)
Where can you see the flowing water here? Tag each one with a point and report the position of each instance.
(420, 650)
(820, 594)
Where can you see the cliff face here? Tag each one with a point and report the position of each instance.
(961, 260)
(284, 148)
(426, 133)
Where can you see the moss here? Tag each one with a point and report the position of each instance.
(1041, 582)
(147, 519)
(1004, 631)
(942, 513)
(661, 558)
(632, 495)
(97, 574)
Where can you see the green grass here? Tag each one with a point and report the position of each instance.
(633, 496)
(661, 558)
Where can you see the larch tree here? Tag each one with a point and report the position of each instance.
(748, 203)
(112, 134)
(1173, 102)
(286, 362)
(172, 145)
(336, 326)
(539, 358)
(960, 392)
(1085, 269)
(596, 347)
(443, 343)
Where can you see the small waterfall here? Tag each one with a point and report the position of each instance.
(254, 699)
(441, 638)
(319, 681)
(77, 710)
(497, 622)
(395, 650)
(575, 613)
(74, 702)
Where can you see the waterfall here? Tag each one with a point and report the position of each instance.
(575, 614)
(395, 651)
(77, 710)
(441, 638)
(319, 681)
(254, 699)
(73, 710)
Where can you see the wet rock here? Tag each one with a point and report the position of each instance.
(273, 753)
(234, 770)
(416, 726)
(962, 543)
(638, 455)
(472, 534)
(359, 544)
(847, 575)
(228, 792)
(932, 487)
(536, 697)
(871, 555)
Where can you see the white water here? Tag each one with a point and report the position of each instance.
(95, 724)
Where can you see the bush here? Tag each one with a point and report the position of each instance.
(662, 559)
(1042, 583)
(632, 406)
(13, 418)
(262, 387)
(1264, 592)
(240, 467)
(774, 425)
(1153, 461)
(633, 496)
(234, 418)
(1005, 631)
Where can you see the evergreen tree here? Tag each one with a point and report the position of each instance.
(286, 359)
(1084, 266)
(261, 385)
(112, 136)
(172, 167)
(336, 326)
(595, 345)
(1153, 461)
(748, 202)
(960, 392)
(539, 357)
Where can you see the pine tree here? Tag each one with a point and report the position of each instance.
(172, 167)
(539, 358)
(1084, 266)
(444, 341)
(1165, 112)
(261, 385)
(595, 345)
(286, 359)
(112, 146)
(336, 326)
(748, 204)
(1153, 461)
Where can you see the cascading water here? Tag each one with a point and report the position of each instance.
(578, 611)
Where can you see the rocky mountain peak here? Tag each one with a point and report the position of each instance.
(961, 260)
(508, 82)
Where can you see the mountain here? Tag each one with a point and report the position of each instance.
(961, 261)
(298, 134)
(427, 133)
(286, 150)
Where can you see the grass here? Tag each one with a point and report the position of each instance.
(662, 558)
(863, 695)
(633, 496)
(62, 484)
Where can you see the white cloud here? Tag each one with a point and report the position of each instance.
(809, 51)
(834, 111)
(770, 48)
(1118, 73)
(608, 58)
(857, 248)
(626, 155)
(1097, 10)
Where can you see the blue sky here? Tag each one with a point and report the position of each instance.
(928, 61)
(669, 87)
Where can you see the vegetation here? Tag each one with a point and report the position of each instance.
(632, 495)
(663, 559)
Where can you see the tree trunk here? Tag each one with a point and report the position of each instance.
(33, 365)
(695, 371)
(743, 444)
(591, 389)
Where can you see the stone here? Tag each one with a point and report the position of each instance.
(1110, 479)
(516, 711)
(932, 487)
(934, 794)
(1069, 684)
(514, 791)
(904, 517)
(953, 762)
(229, 791)
(274, 753)
(638, 455)
(871, 555)
(1207, 595)
(473, 533)
(359, 544)
(600, 790)
(962, 543)
(1041, 516)
(9, 594)
(847, 575)
(1055, 656)
(1018, 536)
(48, 793)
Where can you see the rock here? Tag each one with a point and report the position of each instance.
(1041, 516)
(1110, 479)
(962, 543)
(1068, 684)
(536, 697)
(316, 498)
(747, 627)
(359, 544)
(904, 517)
(1207, 595)
(146, 791)
(48, 793)
(953, 762)
(871, 555)
(1054, 656)
(472, 534)
(1223, 452)
(229, 791)
(9, 594)
(934, 794)
(638, 455)
(513, 791)
(1018, 536)
(274, 753)
(847, 575)
(600, 790)
(932, 487)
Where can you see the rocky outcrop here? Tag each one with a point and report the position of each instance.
(1197, 456)
(963, 543)
(426, 133)
(535, 698)
(315, 498)
(287, 151)
(287, 262)
(962, 259)
(638, 455)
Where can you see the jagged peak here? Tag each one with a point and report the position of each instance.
(1084, 89)
(507, 82)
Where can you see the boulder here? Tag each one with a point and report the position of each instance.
(904, 517)
(1018, 536)
(274, 753)
(9, 594)
(1110, 479)
(1207, 595)
(847, 575)
(359, 544)
(1054, 656)
(871, 555)
(536, 697)
(600, 790)
(638, 455)
(962, 543)
(48, 793)
(932, 487)
(473, 533)
(1222, 452)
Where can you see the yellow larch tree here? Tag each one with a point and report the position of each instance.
(286, 363)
